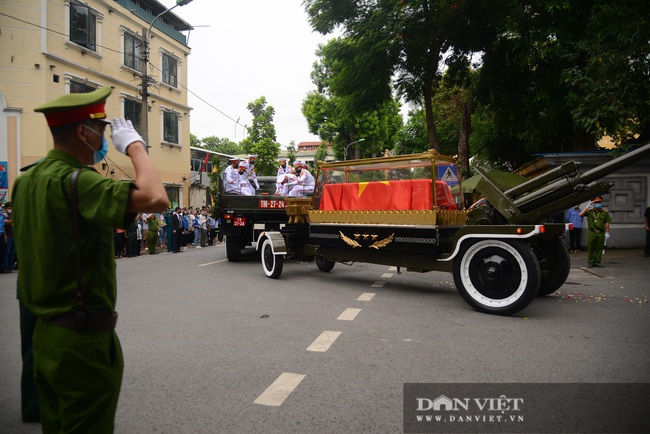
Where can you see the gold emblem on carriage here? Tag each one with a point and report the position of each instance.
(376, 244)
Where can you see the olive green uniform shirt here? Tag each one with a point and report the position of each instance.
(44, 236)
(597, 219)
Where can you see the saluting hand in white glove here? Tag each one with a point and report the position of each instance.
(123, 134)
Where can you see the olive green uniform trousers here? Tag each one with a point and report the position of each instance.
(78, 374)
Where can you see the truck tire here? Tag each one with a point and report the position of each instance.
(497, 276)
(233, 248)
(271, 263)
(323, 264)
(555, 264)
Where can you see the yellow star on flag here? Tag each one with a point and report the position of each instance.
(363, 185)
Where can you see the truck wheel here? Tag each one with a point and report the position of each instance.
(555, 263)
(271, 263)
(496, 276)
(323, 264)
(233, 248)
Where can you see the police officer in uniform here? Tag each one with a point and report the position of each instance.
(598, 220)
(78, 361)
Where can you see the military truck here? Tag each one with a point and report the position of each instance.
(401, 211)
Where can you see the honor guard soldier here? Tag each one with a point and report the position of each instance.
(65, 215)
(598, 220)
(250, 171)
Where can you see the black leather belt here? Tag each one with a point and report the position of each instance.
(596, 231)
(84, 322)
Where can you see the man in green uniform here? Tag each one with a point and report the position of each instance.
(152, 236)
(78, 361)
(598, 220)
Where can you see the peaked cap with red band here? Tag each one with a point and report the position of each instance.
(76, 107)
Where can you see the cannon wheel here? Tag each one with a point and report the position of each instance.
(233, 248)
(271, 263)
(497, 276)
(323, 264)
(555, 263)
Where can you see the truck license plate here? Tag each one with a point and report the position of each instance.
(271, 204)
(239, 221)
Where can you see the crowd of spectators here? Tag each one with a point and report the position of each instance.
(199, 230)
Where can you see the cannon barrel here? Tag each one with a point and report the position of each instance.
(554, 191)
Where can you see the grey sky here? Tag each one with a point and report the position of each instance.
(252, 48)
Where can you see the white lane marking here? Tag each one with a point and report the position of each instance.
(349, 314)
(324, 341)
(367, 296)
(276, 393)
(387, 275)
(392, 268)
(378, 284)
(210, 263)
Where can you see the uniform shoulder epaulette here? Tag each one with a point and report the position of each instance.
(29, 166)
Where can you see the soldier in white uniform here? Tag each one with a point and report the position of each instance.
(245, 187)
(304, 183)
(231, 177)
(281, 178)
(250, 171)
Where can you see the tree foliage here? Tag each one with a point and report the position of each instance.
(337, 119)
(222, 145)
(261, 139)
(552, 76)
(409, 41)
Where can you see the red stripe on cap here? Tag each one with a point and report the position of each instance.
(75, 114)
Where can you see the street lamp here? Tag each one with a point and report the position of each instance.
(345, 154)
(145, 75)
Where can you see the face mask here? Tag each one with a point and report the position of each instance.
(298, 170)
(99, 154)
(283, 165)
(598, 206)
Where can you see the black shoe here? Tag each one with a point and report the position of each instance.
(590, 266)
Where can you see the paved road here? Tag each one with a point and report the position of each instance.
(216, 347)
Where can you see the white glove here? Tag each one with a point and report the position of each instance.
(123, 134)
(606, 236)
(590, 204)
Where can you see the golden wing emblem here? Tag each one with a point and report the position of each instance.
(382, 243)
(349, 241)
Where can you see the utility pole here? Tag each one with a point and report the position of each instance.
(145, 74)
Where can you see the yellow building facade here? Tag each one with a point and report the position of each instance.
(49, 48)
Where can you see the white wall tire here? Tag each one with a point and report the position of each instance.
(271, 263)
(497, 276)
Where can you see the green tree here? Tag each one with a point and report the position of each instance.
(261, 139)
(321, 153)
(194, 141)
(221, 145)
(292, 151)
(336, 119)
(564, 73)
(409, 41)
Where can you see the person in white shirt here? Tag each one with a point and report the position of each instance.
(282, 171)
(304, 183)
(231, 177)
(250, 171)
(245, 187)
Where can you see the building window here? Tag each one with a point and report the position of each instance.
(169, 68)
(133, 112)
(173, 193)
(79, 87)
(132, 52)
(83, 26)
(170, 127)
